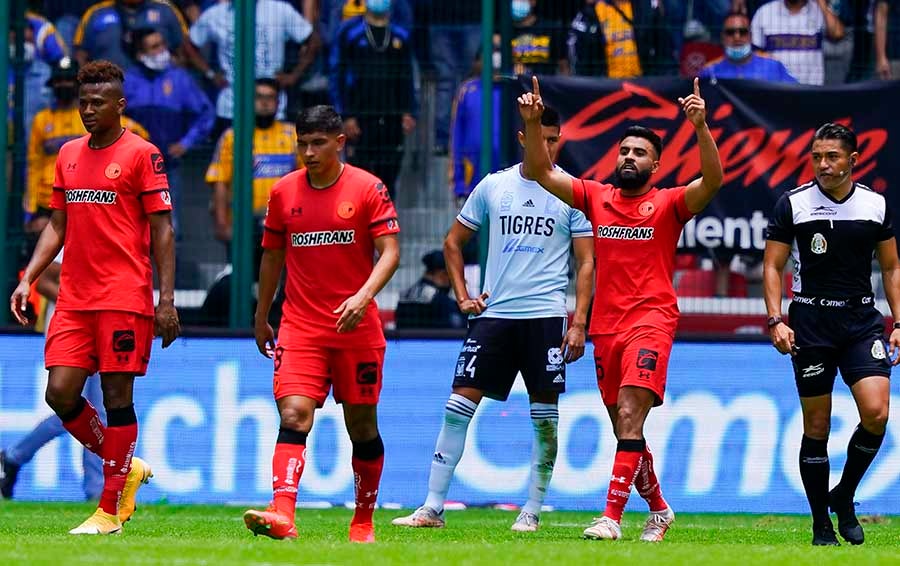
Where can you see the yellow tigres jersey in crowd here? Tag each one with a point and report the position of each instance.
(50, 129)
(274, 156)
(621, 49)
(353, 8)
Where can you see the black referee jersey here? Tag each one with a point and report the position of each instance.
(832, 242)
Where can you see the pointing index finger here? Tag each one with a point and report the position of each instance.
(535, 87)
(697, 86)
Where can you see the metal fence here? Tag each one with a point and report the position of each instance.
(400, 78)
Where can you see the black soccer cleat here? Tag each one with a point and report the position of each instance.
(823, 535)
(848, 525)
(8, 474)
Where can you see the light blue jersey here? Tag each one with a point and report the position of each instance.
(528, 252)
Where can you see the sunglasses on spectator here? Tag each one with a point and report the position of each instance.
(736, 31)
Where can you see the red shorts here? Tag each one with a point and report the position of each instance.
(638, 357)
(311, 371)
(104, 341)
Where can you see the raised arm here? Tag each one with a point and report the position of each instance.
(537, 163)
(701, 191)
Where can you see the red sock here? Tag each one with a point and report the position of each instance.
(287, 467)
(118, 448)
(85, 425)
(648, 485)
(625, 469)
(368, 461)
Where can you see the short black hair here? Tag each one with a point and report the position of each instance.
(138, 35)
(647, 134)
(319, 118)
(550, 117)
(269, 82)
(832, 131)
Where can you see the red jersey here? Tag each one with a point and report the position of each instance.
(329, 240)
(107, 195)
(634, 244)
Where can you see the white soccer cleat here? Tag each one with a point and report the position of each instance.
(423, 517)
(526, 523)
(657, 524)
(603, 528)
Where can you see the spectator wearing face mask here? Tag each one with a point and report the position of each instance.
(538, 47)
(740, 62)
(51, 128)
(169, 101)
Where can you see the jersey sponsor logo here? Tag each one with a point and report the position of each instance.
(471, 349)
(367, 373)
(818, 245)
(823, 210)
(813, 370)
(878, 350)
(528, 204)
(513, 247)
(323, 238)
(346, 210)
(506, 202)
(166, 198)
(90, 196)
(559, 378)
(625, 232)
(460, 367)
(646, 359)
(157, 163)
(123, 341)
(646, 208)
(529, 225)
(113, 170)
(554, 356)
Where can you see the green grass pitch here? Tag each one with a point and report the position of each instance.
(35, 533)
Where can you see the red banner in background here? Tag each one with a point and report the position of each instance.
(763, 130)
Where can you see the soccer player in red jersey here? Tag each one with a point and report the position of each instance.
(325, 222)
(636, 230)
(111, 207)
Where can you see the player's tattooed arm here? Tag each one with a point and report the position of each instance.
(537, 164)
(774, 259)
(886, 253)
(48, 246)
(162, 239)
(353, 309)
(701, 191)
(270, 267)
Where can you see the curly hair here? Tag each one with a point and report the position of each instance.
(100, 71)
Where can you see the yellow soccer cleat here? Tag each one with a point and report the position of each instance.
(139, 474)
(100, 523)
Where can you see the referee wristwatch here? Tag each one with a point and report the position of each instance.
(897, 326)
(774, 321)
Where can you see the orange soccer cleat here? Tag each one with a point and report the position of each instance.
(270, 523)
(362, 532)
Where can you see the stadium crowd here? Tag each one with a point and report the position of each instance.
(371, 58)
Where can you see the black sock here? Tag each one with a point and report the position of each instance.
(861, 451)
(814, 470)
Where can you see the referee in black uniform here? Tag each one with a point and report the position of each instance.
(830, 228)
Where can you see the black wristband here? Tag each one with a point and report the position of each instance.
(896, 325)
(773, 321)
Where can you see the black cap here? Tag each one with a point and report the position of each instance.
(64, 69)
(434, 260)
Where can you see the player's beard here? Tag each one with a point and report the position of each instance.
(632, 179)
(264, 121)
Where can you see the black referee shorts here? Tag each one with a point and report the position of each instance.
(497, 349)
(828, 339)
